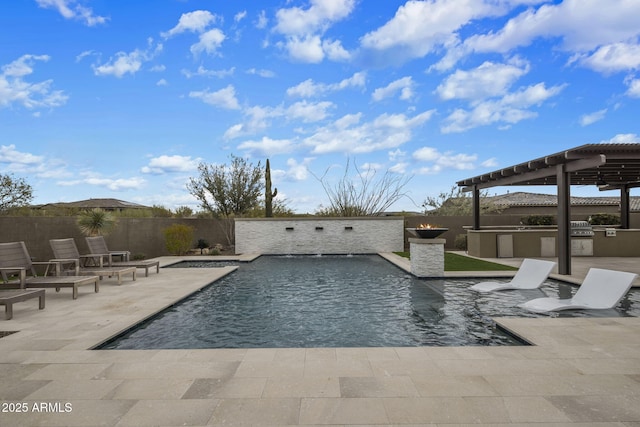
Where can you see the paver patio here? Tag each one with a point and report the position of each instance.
(581, 372)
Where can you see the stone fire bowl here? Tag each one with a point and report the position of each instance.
(427, 233)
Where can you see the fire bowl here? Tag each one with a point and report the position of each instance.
(427, 233)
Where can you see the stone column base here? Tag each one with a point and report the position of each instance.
(427, 257)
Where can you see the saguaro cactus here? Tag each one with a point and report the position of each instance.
(268, 194)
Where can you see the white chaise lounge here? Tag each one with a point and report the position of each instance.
(531, 274)
(601, 289)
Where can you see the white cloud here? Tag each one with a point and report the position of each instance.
(257, 120)
(170, 164)
(14, 89)
(224, 98)
(422, 27)
(9, 155)
(581, 25)
(404, 85)
(623, 138)
(120, 184)
(209, 43)
(588, 119)
(613, 58)
(196, 22)
(306, 49)
(335, 51)
(426, 154)
(262, 21)
(509, 109)
(309, 111)
(317, 18)
(303, 30)
(487, 80)
(127, 63)
(490, 163)
(439, 161)
(203, 72)
(267, 146)
(240, 16)
(84, 54)
(267, 74)
(400, 168)
(309, 88)
(634, 88)
(348, 135)
(70, 10)
(162, 82)
(298, 171)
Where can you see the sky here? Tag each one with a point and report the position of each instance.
(114, 99)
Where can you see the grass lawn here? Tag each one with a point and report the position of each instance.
(456, 262)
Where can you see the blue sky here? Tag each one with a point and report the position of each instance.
(124, 99)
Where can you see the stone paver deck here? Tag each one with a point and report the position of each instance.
(581, 372)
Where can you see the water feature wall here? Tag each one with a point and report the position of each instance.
(296, 236)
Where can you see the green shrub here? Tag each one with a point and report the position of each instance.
(460, 242)
(604, 219)
(538, 220)
(178, 238)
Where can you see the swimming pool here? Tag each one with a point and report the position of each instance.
(332, 301)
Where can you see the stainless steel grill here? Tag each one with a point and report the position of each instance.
(581, 229)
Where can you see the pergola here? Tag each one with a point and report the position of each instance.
(607, 166)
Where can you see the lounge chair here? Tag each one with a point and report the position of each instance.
(531, 274)
(98, 246)
(66, 254)
(10, 297)
(15, 260)
(601, 289)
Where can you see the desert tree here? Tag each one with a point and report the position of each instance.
(456, 202)
(14, 192)
(362, 193)
(228, 190)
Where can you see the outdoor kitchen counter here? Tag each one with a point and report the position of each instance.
(542, 242)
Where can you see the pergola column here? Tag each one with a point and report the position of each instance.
(476, 208)
(624, 207)
(564, 220)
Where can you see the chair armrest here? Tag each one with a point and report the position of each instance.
(99, 257)
(23, 274)
(60, 261)
(48, 264)
(124, 254)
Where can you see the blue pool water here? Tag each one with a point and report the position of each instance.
(335, 301)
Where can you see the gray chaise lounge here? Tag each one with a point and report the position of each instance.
(98, 247)
(15, 260)
(66, 254)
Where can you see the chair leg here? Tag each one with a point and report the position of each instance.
(8, 311)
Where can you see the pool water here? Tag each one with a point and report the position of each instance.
(334, 301)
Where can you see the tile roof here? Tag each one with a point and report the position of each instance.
(536, 199)
(100, 203)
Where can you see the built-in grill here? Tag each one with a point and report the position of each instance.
(581, 229)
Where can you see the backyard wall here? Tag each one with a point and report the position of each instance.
(140, 236)
(320, 235)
